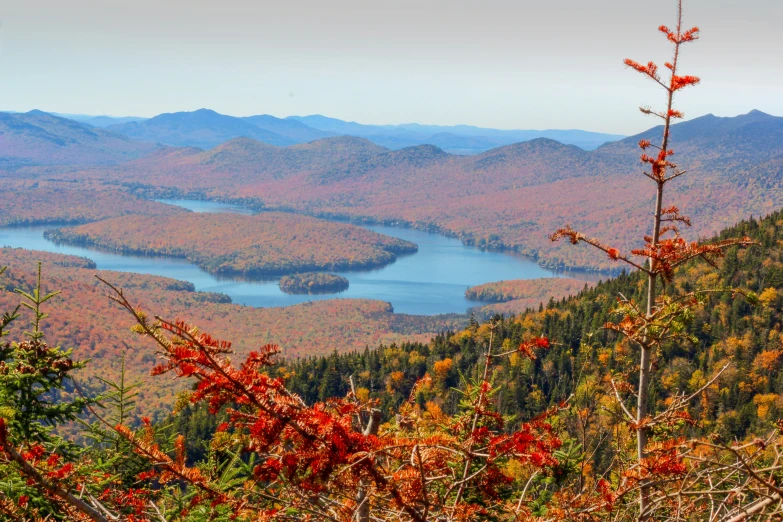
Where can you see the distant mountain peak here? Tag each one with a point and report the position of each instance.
(757, 116)
(343, 142)
(416, 156)
(722, 132)
(268, 117)
(536, 145)
(243, 143)
(422, 151)
(203, 128)
(545, 142)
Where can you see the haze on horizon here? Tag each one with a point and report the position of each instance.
(503, 64)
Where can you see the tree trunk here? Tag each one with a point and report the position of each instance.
(363, 504)
(645, 362)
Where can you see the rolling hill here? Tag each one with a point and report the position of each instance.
(40, 138)
(45, 203)
(241, 162)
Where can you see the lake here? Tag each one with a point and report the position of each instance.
(432, 281)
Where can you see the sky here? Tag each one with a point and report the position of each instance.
(516, 64)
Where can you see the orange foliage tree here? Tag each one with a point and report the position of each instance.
(666, 464)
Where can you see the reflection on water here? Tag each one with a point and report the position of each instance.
(432, 281)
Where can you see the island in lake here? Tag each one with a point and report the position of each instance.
(313, 283)
(270, 243)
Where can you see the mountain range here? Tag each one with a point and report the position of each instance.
(206, 128)
(99, 121)
(456, 139)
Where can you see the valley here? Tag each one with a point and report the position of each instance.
(432, 281)
(476, 220)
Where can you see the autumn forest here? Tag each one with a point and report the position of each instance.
(207, 317)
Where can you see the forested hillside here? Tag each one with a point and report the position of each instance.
(516, 296)
(43, 202)
(240, 161)
(725, 330)
(82, 317)
(39, 138)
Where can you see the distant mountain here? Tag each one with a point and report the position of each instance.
(755, 137)
(459, 139)
(461, 144)
(708, 127)
(203, 128)
(733, 147)
(40, 138)
(100, 121)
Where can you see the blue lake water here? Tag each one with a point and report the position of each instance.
(432, 281)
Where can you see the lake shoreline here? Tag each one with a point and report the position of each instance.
(383, 255)
(429, 283)
(253, 206)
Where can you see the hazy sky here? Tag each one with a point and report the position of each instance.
(506, 64)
